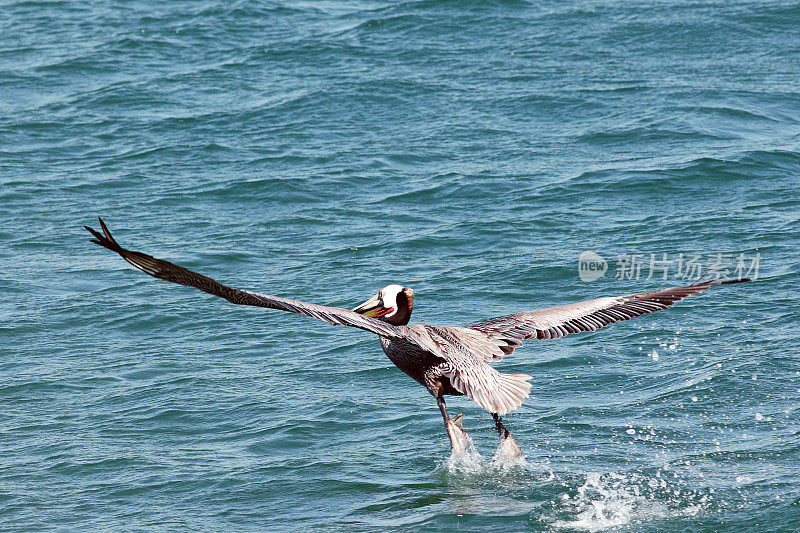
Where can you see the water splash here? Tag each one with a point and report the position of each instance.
(604, 502)
(607, 501)
(502, 463)
(469, 462)
(471, 465)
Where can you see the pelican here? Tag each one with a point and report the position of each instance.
(446, 360)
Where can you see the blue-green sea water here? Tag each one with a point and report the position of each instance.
(470, 150)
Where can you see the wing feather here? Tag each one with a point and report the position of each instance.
(509, 331)
(167, 271)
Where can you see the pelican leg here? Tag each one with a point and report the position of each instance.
(508, 446)
(458, 437)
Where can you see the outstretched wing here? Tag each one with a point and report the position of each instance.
(590, 315)
(167, 271)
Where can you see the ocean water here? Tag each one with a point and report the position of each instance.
(470, 150)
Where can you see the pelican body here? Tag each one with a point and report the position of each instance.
(446, 360)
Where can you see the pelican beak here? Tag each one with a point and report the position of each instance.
(373, 307)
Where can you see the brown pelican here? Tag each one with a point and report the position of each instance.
(446, 360)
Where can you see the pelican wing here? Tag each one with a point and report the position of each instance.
(590, 315)
(167, 271)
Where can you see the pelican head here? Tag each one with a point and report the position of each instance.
(392, 304)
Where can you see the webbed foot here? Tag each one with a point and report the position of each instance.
(508, 445)
(458, 437)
